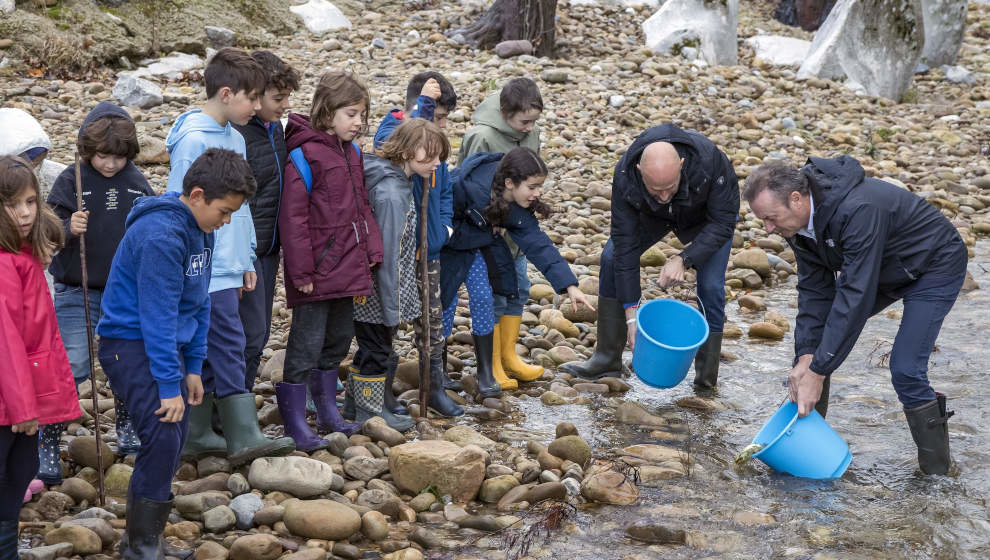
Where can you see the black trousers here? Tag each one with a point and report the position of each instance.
(319, 338)
(374, 348)
(18, 465)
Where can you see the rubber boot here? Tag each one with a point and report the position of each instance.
(448, 383)
(348, 411)
(202, 440)
(392, 403)
(930, 431)
(128, 442)
(706, 363)
(440, 401)
(513, 365)
(369, 401)
(292, 406)
(484, 351)
(498, 372)
(143, 539)
(245, 442)
(822, 405)
(612, 330)
(323, 386)
(8, 540)
(49, 456)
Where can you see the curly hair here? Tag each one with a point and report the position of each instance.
(411, 135)
(516, 166)
(278, 74)
(46, 235)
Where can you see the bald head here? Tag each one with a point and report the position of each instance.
(660, 167)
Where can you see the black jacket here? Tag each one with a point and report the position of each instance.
(472, 183)
(880, 237)
(703, 212)
(267, 154)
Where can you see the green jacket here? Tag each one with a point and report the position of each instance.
(491, 133)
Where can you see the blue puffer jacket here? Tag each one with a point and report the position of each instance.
(472, 183)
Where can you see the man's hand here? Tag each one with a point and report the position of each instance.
(431, 89)
(171, 410)
(27, 427)
(672, 273)
(631, 327)
(577, 296)
(194, 384)
(805, 386)
(305, 288)
(250, 282)
(79, 222)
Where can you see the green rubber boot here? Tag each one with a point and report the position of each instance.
(245, 442)
(202, 441)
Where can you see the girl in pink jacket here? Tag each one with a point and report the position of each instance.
(36, 386)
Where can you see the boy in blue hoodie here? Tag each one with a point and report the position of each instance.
(156, 314)
(234, 83)
(430, 96)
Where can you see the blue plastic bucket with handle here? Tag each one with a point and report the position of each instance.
(807, 447)
(668, 335)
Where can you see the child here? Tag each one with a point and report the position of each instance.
(156, 314)
(266, 152)
(415, 148)
(514, 125)
(107, 144)
(234, 82)
(429, 96)
(36, 385)
(330, 241)
(496, 191)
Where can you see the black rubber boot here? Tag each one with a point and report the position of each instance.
(392, 403)
(706, 363)
(484, 346)
(49, 456)
(245, 442)
(143, 539)
(8, 540)
(448, 383)
(822, 405)
(202, 441)
(612, 331)
(347, 411)
(440, 401)
(930, 431)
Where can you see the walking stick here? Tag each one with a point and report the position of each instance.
(89, 336)
(424, 296)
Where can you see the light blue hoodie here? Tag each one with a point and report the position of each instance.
(192, 134)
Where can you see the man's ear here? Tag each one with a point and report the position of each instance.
(639, 168)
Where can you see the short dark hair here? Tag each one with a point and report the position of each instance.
(520, 94)
(780, 178)
(278, 74)
(448, 97)
(112, 135)
(219, 173)
(235, 69)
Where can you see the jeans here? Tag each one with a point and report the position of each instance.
(320, 337)
(223, 370)
(513, 305)
(256, 315)
(71, 315)
(710, 282)
(479, 298)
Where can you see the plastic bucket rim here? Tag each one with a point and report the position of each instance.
(667, 346)
(782, 433)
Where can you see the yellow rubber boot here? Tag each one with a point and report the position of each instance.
(497, 371)
(508, 329)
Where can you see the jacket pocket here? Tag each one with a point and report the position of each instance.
(232, 250)
(895, 273)
(327, 256)
(42, 373)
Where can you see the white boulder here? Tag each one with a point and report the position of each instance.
(945, 24)
(706, 25)
(171, 66)
(778, 50)
(7, 6)
(616, 3)
(131, 90)
(321, 16)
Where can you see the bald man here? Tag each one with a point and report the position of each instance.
(670, 180)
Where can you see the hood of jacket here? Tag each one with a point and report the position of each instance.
(489, 113)
(831, 181)
(168, 202)
(300, 131)
(195, 121)
(21, 132)
(377, 169)
(104, 109)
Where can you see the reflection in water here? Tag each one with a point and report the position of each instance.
(881, 508)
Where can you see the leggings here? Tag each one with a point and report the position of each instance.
(480, 300)
(18, 465)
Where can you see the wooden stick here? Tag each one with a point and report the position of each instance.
(424, 296)
(89, 337)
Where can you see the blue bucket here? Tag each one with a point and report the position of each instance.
(668, 335)
(807, 447)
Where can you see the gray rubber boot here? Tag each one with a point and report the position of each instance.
(369, 401)
(612, 332)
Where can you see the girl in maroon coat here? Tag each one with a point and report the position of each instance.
(36, 386)
(330, 242)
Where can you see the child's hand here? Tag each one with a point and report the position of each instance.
(79, 222)
(578, 296)
(27, 427)
(431, 89)
(250, 282)
(194, 383)
(172, 409)
(305, 288)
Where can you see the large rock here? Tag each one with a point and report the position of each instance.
(610, 487)
(101, 527)
(876, 44)
(466, 435)
(321, 519)
(7, 6)
(219, 519)
(754, 259)
(454, 470)
(945, 24)
(134, 91)
(82, 450)
(493, 489)
(244, 507)
(365, 468)
(171, 66)
(778, 50)
(321, 16)
(509, 49)
(706, 25)
(118, 480)
(256, 547)
(84, 541)
(300, 476)
(153, 150)
(571, 448)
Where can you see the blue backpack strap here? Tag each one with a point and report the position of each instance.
(357, 149)
(302, 166)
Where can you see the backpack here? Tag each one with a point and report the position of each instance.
(302, 166)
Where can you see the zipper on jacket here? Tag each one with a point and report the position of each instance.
(357, 204)
(279, 172)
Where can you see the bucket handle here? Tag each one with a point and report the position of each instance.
(691, 292)
(788, 429)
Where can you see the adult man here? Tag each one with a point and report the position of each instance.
(669, 180)
(886, 244)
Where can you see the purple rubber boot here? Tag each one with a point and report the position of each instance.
(292, 406)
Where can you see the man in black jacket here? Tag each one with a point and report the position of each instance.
(669, 180)
(886, 244)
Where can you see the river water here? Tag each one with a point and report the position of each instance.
(880, 508)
